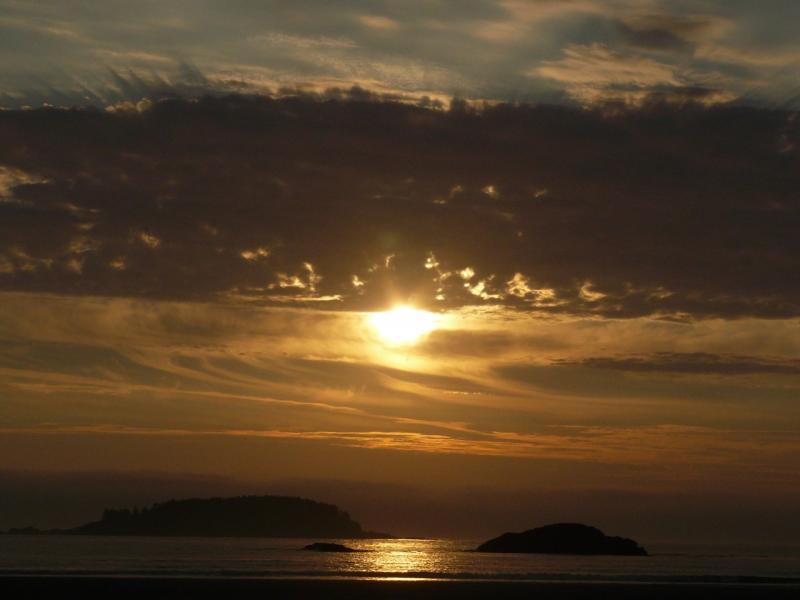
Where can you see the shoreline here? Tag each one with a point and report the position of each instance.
(357, 576)
(126, 586)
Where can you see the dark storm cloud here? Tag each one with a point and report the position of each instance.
(700, 363)
(339, 199)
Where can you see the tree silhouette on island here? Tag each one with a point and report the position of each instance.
(242, 516)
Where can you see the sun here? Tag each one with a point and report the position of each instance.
(403, 325)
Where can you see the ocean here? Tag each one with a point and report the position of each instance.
(398, 559)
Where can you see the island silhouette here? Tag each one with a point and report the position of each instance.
(329, 547)
(294, 517)
(563, 538)
(241, 516)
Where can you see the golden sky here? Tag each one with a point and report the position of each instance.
(509, 400)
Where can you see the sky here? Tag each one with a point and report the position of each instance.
(87, 51)
(592, 206)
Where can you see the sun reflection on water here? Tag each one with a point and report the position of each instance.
(398, 558)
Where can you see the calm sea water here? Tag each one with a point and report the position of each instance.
(384, 559)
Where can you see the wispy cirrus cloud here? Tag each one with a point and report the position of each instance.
(516, 49)
(664, 444)
(696, 363)
(595, 74)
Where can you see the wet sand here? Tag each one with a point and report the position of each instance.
(151, 588)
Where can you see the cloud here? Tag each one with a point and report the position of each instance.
(673, 32)
(594, 74)
(379, 22)
(663, 444)
(11, 178)
(496, 396)
(493, 343)
(653, 38)
(474, 48)
(302, 42)
(548, 10)
(597, 65)
(289, 200)
(700, 363)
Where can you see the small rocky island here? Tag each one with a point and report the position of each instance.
(563, 538)
(328, 547)
(242, 516)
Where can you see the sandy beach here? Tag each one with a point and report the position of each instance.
(124, 587)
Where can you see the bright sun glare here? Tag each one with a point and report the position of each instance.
(403, 325)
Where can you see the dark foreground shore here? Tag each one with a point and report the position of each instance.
(149, 588)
